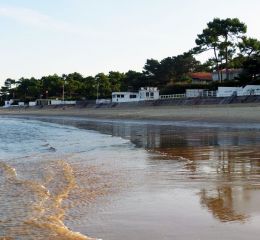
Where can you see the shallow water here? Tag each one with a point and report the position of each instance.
(72, 178)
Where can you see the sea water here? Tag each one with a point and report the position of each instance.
(48, 169)
(66, 178)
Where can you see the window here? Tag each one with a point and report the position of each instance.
(122, 95)
(133, 96)
(118, 96)
(151, 94)
(147, 94)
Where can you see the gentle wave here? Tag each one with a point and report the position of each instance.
(40, 195)
(34, 211)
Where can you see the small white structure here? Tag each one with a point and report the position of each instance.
(125, 97)
(228, 91)
(56, 102)
(103, 101)
(251, 90)
(32, 104)
(238, 91)
(149, 93)
(144, 94)
(21, 104)
(43, 102)
(8, 103)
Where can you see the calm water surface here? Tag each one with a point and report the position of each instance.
(73, 178)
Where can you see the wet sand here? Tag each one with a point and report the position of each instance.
(237, 113)
(194, 183)
(180, 182)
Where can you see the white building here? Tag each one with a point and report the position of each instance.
(229, 74)
(13, 103)
(21, 104)
(149, 93)
(8, 103)
(125, 97)
(229, 91)
(32, 104)
(144, 94)
(251, 90)
(238, 91)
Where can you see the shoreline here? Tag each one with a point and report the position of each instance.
(232, 113)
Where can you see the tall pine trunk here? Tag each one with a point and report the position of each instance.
(226, 58)
(216, 57)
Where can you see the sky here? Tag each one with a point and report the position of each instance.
(45, 37)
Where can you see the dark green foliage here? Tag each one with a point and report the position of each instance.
(49, 86)
(133, 80)
(116, 79)
(170, 69)
(221, 36)
(249, 47)
(251, 70)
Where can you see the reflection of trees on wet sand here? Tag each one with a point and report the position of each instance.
(228, 177)
(228, 162)
(220, 203)
(214, 160)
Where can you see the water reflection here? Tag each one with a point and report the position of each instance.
(220, 202)
(151, 136)
(228, 177)
(222, 164)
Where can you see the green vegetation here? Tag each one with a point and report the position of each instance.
(225, 38)
(221, 37)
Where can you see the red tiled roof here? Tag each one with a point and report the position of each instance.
(201, 76)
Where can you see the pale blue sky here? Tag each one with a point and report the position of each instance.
(40, 37)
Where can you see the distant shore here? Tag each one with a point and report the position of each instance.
(230, 113)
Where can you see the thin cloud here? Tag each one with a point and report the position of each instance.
(36, 19)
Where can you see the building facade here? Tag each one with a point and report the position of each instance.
(144, 94)
(229, 74)
(238, 91)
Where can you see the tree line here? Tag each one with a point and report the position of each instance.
(225, 38)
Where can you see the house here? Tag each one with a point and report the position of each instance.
(201, 77)
(149, 93)
(125, 97)
(144, 94)
(229, 74)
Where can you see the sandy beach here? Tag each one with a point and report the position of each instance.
(237, 113)
(125, 180)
